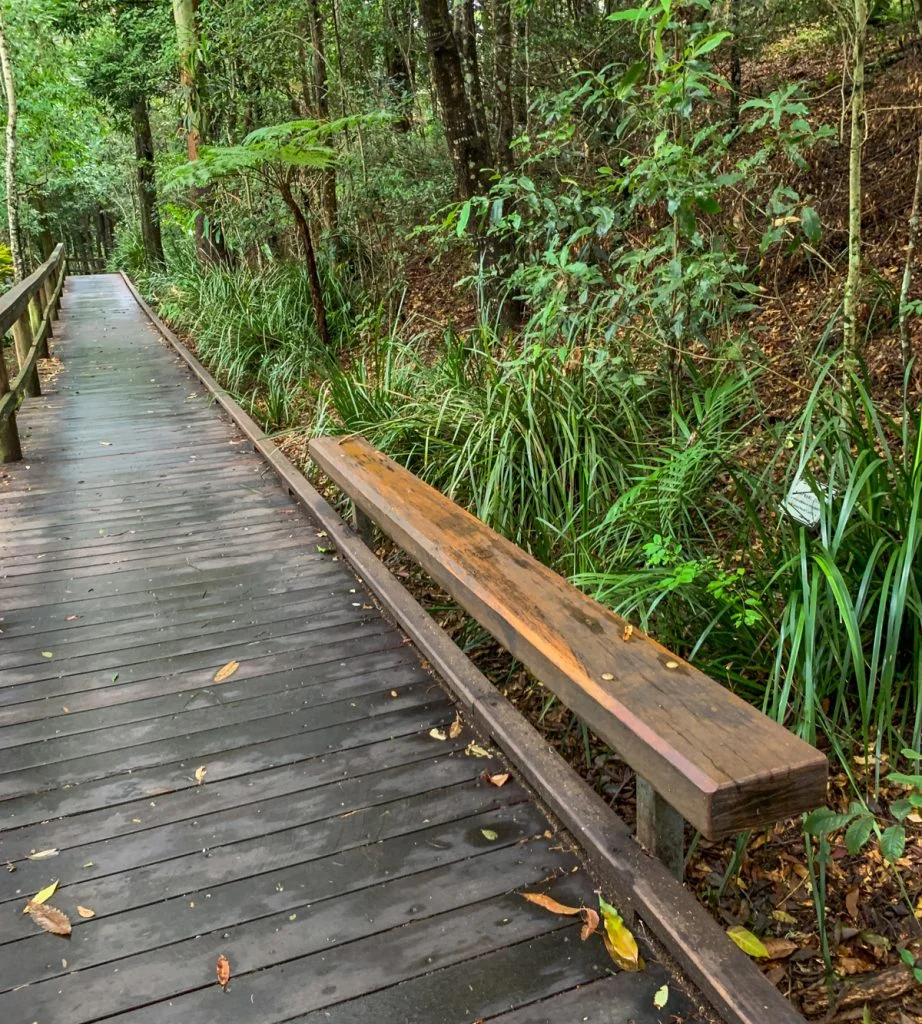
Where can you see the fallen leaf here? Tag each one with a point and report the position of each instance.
(607, 676)
(72, 618)
(620, 943)
(475, 750)
(438, 734)
(49, 918)
(539, 899)
(499, 779)
(590, 922)
(779, 949)
(454, 730)
(672, 664)
(750, 944)
(784, 917)
(85, 912)
(854, 965)
(489, 834)
(226, 671)
(223, 971)
(200, 773)
(41, 896)
(43, 854)
(661, 997)
(10, 867)
(851, 903)
(625, 636)
(47, 654)
(393, 693)
(106, 444)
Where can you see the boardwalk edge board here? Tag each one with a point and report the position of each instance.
(643, 886)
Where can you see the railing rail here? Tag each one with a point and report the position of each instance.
(27, 310)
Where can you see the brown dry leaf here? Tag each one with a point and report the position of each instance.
(454, 730)
(223, 971)
(85, 912)
(628, 632)
(226, 671)
(50, 919)
(500, 779)
(779, 949)
(200, 774)
(547, 903)
(590, 923)
(851, 903)
(855, 965)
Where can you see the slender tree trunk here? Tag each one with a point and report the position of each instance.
(209, 243)
(905, 344)
(397, 32)
(313, 277)
(502, 81)
(147, 184)
(12, 187)
(472, 84)
(736, 70)
(469, 149)
(856, 145)
(322, 106)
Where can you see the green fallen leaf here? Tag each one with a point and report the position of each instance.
(750, 944)
(661, 997)
(488, 833)
(47, 654)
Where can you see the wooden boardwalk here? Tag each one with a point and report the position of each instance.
(351, 867)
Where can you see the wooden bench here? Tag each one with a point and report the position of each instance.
(699, 751)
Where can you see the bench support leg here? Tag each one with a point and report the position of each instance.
(660, 828)
(363, 526)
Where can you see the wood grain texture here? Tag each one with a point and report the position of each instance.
(722, 764)
(331, 848)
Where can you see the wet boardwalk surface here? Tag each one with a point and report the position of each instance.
(297, 817)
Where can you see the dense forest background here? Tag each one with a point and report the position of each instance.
(639, 286)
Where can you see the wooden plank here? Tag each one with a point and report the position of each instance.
(720, 762)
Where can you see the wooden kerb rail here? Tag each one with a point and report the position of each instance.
(700, 753)
(27, 310)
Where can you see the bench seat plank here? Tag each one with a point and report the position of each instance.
(719, 761)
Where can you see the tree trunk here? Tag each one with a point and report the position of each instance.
(470, 152)
(313, 277)
(736, 70)
(322, 106)
(502, 81)
(398, 22)
(12, 188)
(905, 344)
(472, 84)
(853, 280)
(209, 243)
(147, 184)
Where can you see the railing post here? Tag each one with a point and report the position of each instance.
(35, 317)
(23, 339)
(46, 292)
(10, 450)
(363, 526)
(660, 828)
(62, 276)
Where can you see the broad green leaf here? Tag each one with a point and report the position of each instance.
(42, 895)
(463, 218)
(635, 14)
(750, 944)
(858, 833)
(711, 43)
(893, 843)
(810, 222)
(489, 834)
(824, 821)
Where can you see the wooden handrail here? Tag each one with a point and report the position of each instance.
(28, 310)
(699, 751)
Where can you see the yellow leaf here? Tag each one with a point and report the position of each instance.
(454, 730)
(41, 896)
(627, 634)
(200, 773)
(475, 750)
(438, 734)
(539, 899)
(784, 917)
(672, 664)
(49, 918)
(661, 997)
(226, 671)
(620, 943)
(47, 654)
(85, 912)
(750, 944)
